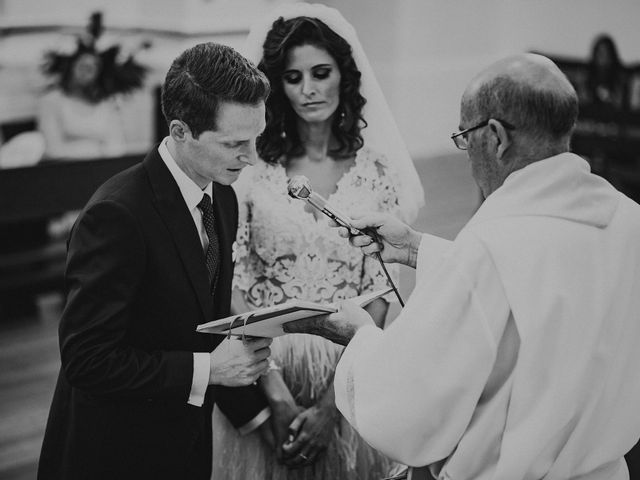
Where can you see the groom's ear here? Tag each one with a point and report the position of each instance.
(179, 130)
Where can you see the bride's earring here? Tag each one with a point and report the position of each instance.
(342, 122)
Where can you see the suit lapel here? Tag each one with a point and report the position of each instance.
(226, 228)
(178, 220)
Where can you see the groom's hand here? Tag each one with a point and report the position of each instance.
(237, 362)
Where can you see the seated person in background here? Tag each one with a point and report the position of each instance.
(79, 116)
(75, 124)
(606, 83)
(22, 150)
(604, 98)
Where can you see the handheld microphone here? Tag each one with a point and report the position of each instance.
(299, 187)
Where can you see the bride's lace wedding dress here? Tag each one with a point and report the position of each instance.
(283, 252)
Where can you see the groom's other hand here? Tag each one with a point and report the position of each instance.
(237, 362)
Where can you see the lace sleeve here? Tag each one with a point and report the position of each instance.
(386, 183)
(243, 274)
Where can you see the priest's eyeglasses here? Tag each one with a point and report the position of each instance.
(460, 138)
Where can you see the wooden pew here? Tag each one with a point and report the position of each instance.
(606, 136)
(611, 141)
(32, 195)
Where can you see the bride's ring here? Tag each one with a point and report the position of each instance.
(303, 456)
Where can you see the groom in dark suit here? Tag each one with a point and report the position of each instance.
(149, 259)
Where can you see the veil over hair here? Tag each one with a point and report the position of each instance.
(381, 133)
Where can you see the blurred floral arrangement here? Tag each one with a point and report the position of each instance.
(119, 73)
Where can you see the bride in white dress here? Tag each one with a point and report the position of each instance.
(326, 120)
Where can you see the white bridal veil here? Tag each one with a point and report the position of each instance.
(381, 134)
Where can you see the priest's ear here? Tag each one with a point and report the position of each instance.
(178, 130)
(502, 137)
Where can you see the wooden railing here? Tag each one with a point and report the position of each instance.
(607, 136)
(33, 195)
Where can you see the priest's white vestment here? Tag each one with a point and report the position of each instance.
(516, 356)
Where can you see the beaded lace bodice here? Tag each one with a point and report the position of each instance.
(283, 252)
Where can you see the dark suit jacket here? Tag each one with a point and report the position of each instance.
(137, 287)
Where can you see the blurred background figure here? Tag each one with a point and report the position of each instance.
(79, 116)
(326, 120)
(23, 150)
(606, 83)
(608, 129)
(77, 119)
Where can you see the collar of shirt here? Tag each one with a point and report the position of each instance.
(191, 192)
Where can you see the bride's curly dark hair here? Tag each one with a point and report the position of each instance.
(280, 138)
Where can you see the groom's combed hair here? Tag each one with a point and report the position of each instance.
(204, 76)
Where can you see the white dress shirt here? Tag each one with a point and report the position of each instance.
(192, 195)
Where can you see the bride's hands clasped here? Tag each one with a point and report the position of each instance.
(310, 434)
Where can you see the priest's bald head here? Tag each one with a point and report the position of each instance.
(519, 110)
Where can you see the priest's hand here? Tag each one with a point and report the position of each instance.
(396, 241)
(339, 327)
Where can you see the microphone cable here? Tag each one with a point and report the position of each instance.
(299, 187)
(371, 232)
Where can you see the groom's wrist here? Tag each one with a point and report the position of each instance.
(254, 423)
(200, 379)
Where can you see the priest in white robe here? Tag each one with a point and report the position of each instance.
(516, 356)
